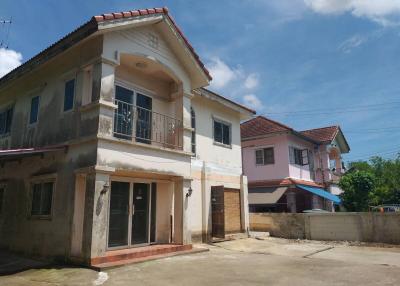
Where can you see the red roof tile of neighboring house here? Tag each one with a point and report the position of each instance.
(260, 126)
(324, 134)
(89, 28)
(283, 182)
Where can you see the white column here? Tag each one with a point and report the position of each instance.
(244, 208)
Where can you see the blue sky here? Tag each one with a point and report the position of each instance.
(306, 63)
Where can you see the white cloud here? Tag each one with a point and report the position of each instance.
(251, 81)
(221, 73)
(351, 43)
(357, 40)
(9, 60)
(252, 101)
(234, 82)
(384, 12)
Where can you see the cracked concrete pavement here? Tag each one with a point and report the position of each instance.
(267, 261)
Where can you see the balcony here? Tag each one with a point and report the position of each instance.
(142, 125)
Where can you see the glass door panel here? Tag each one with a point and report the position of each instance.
(119, 214)
(123, 118)
(144, 118)
(140, 213)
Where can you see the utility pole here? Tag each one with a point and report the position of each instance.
(5, 26)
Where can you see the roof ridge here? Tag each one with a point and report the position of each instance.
(270, 120)
(319, 128)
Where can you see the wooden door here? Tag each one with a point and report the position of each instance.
(217, 211)
(232, 211)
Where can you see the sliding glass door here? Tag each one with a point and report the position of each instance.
(131, 214)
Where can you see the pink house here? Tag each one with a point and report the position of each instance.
(289, 170)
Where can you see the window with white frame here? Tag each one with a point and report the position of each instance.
(42, 197)
(298, 156)
(5, 121)
(222, 132)
(265, 156)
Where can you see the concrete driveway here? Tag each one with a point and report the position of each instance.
(241, 262)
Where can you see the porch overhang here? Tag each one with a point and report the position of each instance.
(16, 154)
(320, 192)
(266, 195)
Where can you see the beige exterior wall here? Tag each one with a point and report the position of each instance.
(20, 231)
(78, 230)
(214, 165)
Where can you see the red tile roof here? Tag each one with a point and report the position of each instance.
(323, 135)
(260, 126)
(86, 30)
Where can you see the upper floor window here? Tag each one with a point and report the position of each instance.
(33, 116)
(42, 198)
(5, 121)
(222, 132)
(298, 156)
(265, 156)
(69, 94)
(193, 125)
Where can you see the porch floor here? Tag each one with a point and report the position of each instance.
(121, 257)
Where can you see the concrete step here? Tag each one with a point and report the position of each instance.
(122, 262)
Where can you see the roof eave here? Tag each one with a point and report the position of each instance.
(71, 39)
(247, 112)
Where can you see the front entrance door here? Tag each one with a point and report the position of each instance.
(140, 213)
(217, 211)
(129, 214)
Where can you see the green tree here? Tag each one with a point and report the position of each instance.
(386, 173)
(358, 187)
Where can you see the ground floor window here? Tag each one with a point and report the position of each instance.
(42, 198)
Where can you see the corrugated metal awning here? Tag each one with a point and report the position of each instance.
(320, 192)
(265, 195)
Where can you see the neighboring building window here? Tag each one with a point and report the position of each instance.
(5, 121)
(1, 199)
(222, 132)
(193, 125)
(298, 156)
(265, 156)
(332, 164)
(33, 117)
(69, 93)
(42, 198)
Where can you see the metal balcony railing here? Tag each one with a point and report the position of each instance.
(146, 126)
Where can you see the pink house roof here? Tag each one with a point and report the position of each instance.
(324, 134)
(91, 27)
(260, 126)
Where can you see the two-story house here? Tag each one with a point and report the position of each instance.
(110, 142)
(289, 170)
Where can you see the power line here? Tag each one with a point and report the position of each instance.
(6, 25)
(379, 153)
(338, 110)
